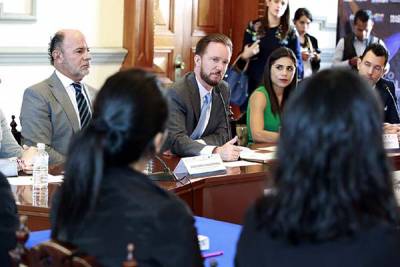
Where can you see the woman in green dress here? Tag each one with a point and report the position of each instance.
(267, 101)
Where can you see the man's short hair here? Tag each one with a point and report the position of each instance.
(55, 43)
(378, 50)
(216, 38)
(362, 15)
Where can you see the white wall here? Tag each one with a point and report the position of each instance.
(100, 20)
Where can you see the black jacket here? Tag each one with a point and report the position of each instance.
(387, 92)
(131, 208)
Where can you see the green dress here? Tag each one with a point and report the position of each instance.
(271, 122)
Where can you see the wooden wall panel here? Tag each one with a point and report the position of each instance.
(164, 61)
(138, 36)
(164, 17)
(207, 17)
(242, 12)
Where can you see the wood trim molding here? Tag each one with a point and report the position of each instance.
(20, 17)
(138, 37)
(39, 56)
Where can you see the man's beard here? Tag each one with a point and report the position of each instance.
(206, 78)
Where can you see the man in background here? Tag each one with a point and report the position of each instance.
(353, 45)
(56, 108)
(199, 123)
(372, 66)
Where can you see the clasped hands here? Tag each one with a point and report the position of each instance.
(25, 163)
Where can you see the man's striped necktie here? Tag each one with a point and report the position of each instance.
(83, 107)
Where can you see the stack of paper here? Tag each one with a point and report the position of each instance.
(253, 155)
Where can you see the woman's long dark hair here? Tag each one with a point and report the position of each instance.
(129, 111)
(332, 176)
(284, 22)
(267, 82)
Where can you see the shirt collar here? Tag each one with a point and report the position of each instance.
(203, 91)
(64, 79)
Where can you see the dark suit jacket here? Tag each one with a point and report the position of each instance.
(8, 221)
(387, 92)
(315, 64)
(184, 106)
(48, 116)
(132, 209)
(376, 246)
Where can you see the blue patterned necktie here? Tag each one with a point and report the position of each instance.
(198, 131)
(83, 107)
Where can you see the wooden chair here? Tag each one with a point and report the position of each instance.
(55, 254)
(14, 131)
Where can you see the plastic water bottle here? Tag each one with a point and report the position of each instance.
(40, 177)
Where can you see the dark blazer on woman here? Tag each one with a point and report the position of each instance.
(8, 221)
(132, 209)
(315, 64)
(375, 246)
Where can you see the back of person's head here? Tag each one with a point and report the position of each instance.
(202, 44)
(302, 12)
(378, 50)
(267, 82)
(129, 111)
(332, 176)
(362, 15)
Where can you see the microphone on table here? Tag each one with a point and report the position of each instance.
(165, 175)
(226, 112)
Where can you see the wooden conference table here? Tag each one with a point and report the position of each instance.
(223, 197)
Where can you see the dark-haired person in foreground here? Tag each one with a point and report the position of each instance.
(372, 66)
(106, 202)
(8, 221)
(198, 123)
(58, 107)
(333, 202)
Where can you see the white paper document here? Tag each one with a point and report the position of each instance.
(240, 163)
(268, 148)
(252, 155)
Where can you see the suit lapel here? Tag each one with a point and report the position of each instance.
(194, 96)
(61, 95)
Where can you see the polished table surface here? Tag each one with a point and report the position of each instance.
(223, 197)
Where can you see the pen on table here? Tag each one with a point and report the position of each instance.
(213, 254)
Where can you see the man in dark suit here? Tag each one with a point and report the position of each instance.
(199, 123)
(372, 65)
(56, 108)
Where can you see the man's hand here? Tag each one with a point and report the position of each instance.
(27, 158)
(229, 152)
(353, 61)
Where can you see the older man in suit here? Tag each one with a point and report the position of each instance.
(12, 157)
(58, 107)
(198, 123)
